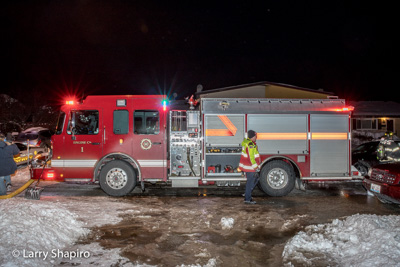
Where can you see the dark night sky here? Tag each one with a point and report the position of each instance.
(150, 47)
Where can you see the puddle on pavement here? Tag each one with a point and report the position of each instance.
(170, 231)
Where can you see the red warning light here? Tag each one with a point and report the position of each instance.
(349, 108)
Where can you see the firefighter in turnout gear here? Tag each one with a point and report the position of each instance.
(388, 149)
(250, 164)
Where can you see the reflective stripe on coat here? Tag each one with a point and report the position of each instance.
(250, 158)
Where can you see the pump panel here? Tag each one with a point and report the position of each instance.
(185, 147)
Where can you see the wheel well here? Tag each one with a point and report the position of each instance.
(116, 156)
(284, 159)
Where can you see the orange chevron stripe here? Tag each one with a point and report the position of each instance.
(231, 131)
(227, 122)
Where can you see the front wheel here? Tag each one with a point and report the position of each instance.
(117, 178)
(277, 178)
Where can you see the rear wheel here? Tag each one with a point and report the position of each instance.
(117, 178)
(277, 178)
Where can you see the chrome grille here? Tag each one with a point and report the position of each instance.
(383, 176)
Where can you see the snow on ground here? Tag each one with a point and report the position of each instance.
(41, 233)
(227, 223)
(28, 228)
(44, 233)
(358, 240)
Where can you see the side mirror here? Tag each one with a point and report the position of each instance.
(73, 130)
(71, 125)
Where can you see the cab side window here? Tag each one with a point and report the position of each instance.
(84, 122)
(146, 122)
(121, 122)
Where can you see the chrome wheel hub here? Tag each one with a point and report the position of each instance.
(116, 178)
(277, 178)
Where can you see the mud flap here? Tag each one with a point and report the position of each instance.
(300, 185)
(142, 186)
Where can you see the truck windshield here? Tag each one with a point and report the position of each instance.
(60, 123)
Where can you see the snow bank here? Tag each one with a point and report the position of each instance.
(28, 230)
(358, 240)
(49, 228)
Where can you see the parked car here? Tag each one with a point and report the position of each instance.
(22, 158)
(384, 182)
(365, 156)
(37, 136)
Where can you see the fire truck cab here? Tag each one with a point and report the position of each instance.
(121, 141)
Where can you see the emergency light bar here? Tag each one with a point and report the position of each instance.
(69, 102)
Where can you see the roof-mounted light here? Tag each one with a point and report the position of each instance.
(345, 109)
(69, 102)
(164, 104)
(121, 102)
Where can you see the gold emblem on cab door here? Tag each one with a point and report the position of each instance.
(145, 144)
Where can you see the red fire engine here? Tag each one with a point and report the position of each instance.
(125, 140)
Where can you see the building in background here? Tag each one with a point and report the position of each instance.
(376, 117)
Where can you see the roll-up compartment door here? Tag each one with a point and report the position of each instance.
(329, 146)
(280, 133)
(224, 130)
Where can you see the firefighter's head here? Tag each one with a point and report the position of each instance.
(252, 135)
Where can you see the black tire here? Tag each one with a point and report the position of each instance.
(277, 178)
(117, 178)
(363, 167)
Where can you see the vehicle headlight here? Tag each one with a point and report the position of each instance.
(370, 172)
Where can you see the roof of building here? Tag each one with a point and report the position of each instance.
(375, 108)
(262, 83)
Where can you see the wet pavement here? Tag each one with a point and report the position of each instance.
(212, 226)
(171, 227)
